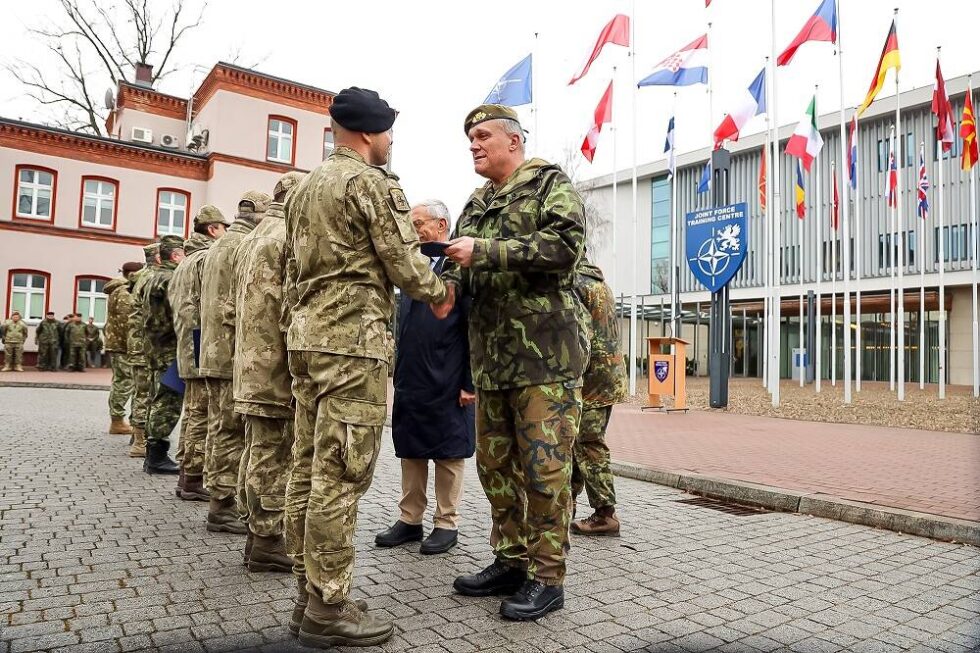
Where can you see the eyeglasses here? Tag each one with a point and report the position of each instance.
(419, 222)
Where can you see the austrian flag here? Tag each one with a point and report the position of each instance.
(805, 143)
(603, 114)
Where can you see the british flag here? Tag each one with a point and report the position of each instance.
(922, 209)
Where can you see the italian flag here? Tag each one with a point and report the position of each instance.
(805, 143)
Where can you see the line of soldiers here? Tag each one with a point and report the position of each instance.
(60, 345)
(279, 326)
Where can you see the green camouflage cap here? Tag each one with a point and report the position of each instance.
(287, 182)
(150, 252)
(209, 214)
(171, 242)
(486, 112)
(259, 202)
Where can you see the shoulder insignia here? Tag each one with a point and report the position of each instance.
(398, 199)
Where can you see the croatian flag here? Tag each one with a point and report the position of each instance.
(687, 66)
(751, 103)
(923, 207)
(852, 153)
(822, 26)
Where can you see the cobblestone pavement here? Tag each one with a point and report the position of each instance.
(97, 556)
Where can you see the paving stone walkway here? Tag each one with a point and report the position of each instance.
(97, 556)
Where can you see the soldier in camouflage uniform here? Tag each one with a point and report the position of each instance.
(77, 337)
(226, 429)
(14, 336)
(603, 385)
(116, 345)
(262, 385)
(349, 237)
(142, 388)
(160, 347)
(517, 243)
(185, 301)
(48, 336)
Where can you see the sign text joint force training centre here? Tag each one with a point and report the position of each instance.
(715, 244)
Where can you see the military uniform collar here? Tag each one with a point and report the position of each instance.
(343, 150)
(524, 173)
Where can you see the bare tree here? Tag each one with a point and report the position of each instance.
(96, 44)
(661, 276)
(597, 224)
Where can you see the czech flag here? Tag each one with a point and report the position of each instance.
(852, 153)
(822, 26)
(751, 103)
(687, 66)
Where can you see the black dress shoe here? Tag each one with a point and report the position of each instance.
(398, 534)
(533, 601)
(440, 540)
(495, 579)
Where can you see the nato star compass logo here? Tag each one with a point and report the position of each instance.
(716, 244)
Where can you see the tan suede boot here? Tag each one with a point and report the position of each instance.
(299, 606)
(269, 554)
(119, 426)
(341, 624)
(223, 517)
(602, 522)
(138, 448)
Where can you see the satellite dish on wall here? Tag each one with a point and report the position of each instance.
(110, 99)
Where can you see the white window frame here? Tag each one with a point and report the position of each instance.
(281, 136)
(28, 292)
(35, 187)
(93, 296)
(171, 208)
(100, 199)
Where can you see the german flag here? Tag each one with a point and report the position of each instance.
(889, 59)
(968, 130)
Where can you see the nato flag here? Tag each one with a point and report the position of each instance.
(514, 88)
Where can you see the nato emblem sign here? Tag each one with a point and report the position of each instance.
(716, 241)
(660, 370)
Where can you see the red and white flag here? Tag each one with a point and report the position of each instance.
(751, 103)
(617, 32)
(835, 212)
(806, 141)
(944, 112)
(603, 114)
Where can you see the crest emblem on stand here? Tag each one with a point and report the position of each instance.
(660, 370)
(716, 242)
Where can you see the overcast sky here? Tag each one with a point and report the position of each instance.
(434, 61)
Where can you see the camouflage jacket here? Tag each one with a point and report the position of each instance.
(48, 332)
(262, 381)
(218, 302)
(526, 321)
(75, 334)
(137, 337)
(349, 241)
(185, 302)
(93, 335)
(120, 303)
(14, 333)
(160, 343)
(604, 382)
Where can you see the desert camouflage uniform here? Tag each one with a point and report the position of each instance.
(185, 302)
(603, 384)
(14, 337)
(528, 350)
(161, 350)
(262, 385)
(348, 239)
(226, 429)
(116, 344)
(142, 380)
(48, 336)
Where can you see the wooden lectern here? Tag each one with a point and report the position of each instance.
(667, 372)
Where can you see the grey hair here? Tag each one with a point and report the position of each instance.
(512, 127)
(435, 209)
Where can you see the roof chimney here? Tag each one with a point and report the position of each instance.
(144, 75)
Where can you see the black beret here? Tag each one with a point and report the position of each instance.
(362, 110)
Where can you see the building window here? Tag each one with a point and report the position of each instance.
(28, 294)
(282, 137)
(90, 299)
(327, 143)
(35, 193)
(172, 212)
(660, 236)
(99, 203)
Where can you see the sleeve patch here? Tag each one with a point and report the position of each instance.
(398, 199)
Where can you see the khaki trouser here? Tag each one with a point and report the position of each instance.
(340, 411)
(47, 355)
(263, 473)
(193, 427)
(142, 387)
(13, 356)
(448, 491)
(225, 439)
(122, 385)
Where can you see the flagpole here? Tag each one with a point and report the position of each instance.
(833, 280)
(902, 252)
(675, 326)
(976, 278)
(775, 211)
(922, 280)
(799, 232)
(845, 230)
(942, 268)
(858, 351)
(633, 347)
(534, 100)
(767, 230)
(817, 260)
(615, 203)
(893, 234)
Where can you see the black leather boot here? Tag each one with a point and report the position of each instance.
(495, 579)
(440, 540)
(533, 601)
(399, 533)
(157, 461)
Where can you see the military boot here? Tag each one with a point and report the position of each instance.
(137, 447)
(341, 624)
(180, 483)
(18, 368)
(269, 554)
(299, 606)
(119, 426)
(249, 543)
(157, 461)
(223, 517)
(602, 522)
(193, 489)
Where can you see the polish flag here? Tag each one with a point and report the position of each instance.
(751, 103)
(617, 32)
(603, 114)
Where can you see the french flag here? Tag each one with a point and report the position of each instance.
(687, 66)
(822, 26)
(751, 103)
(852, 153)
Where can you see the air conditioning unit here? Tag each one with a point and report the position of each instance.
(142, 135)
(169, 140)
